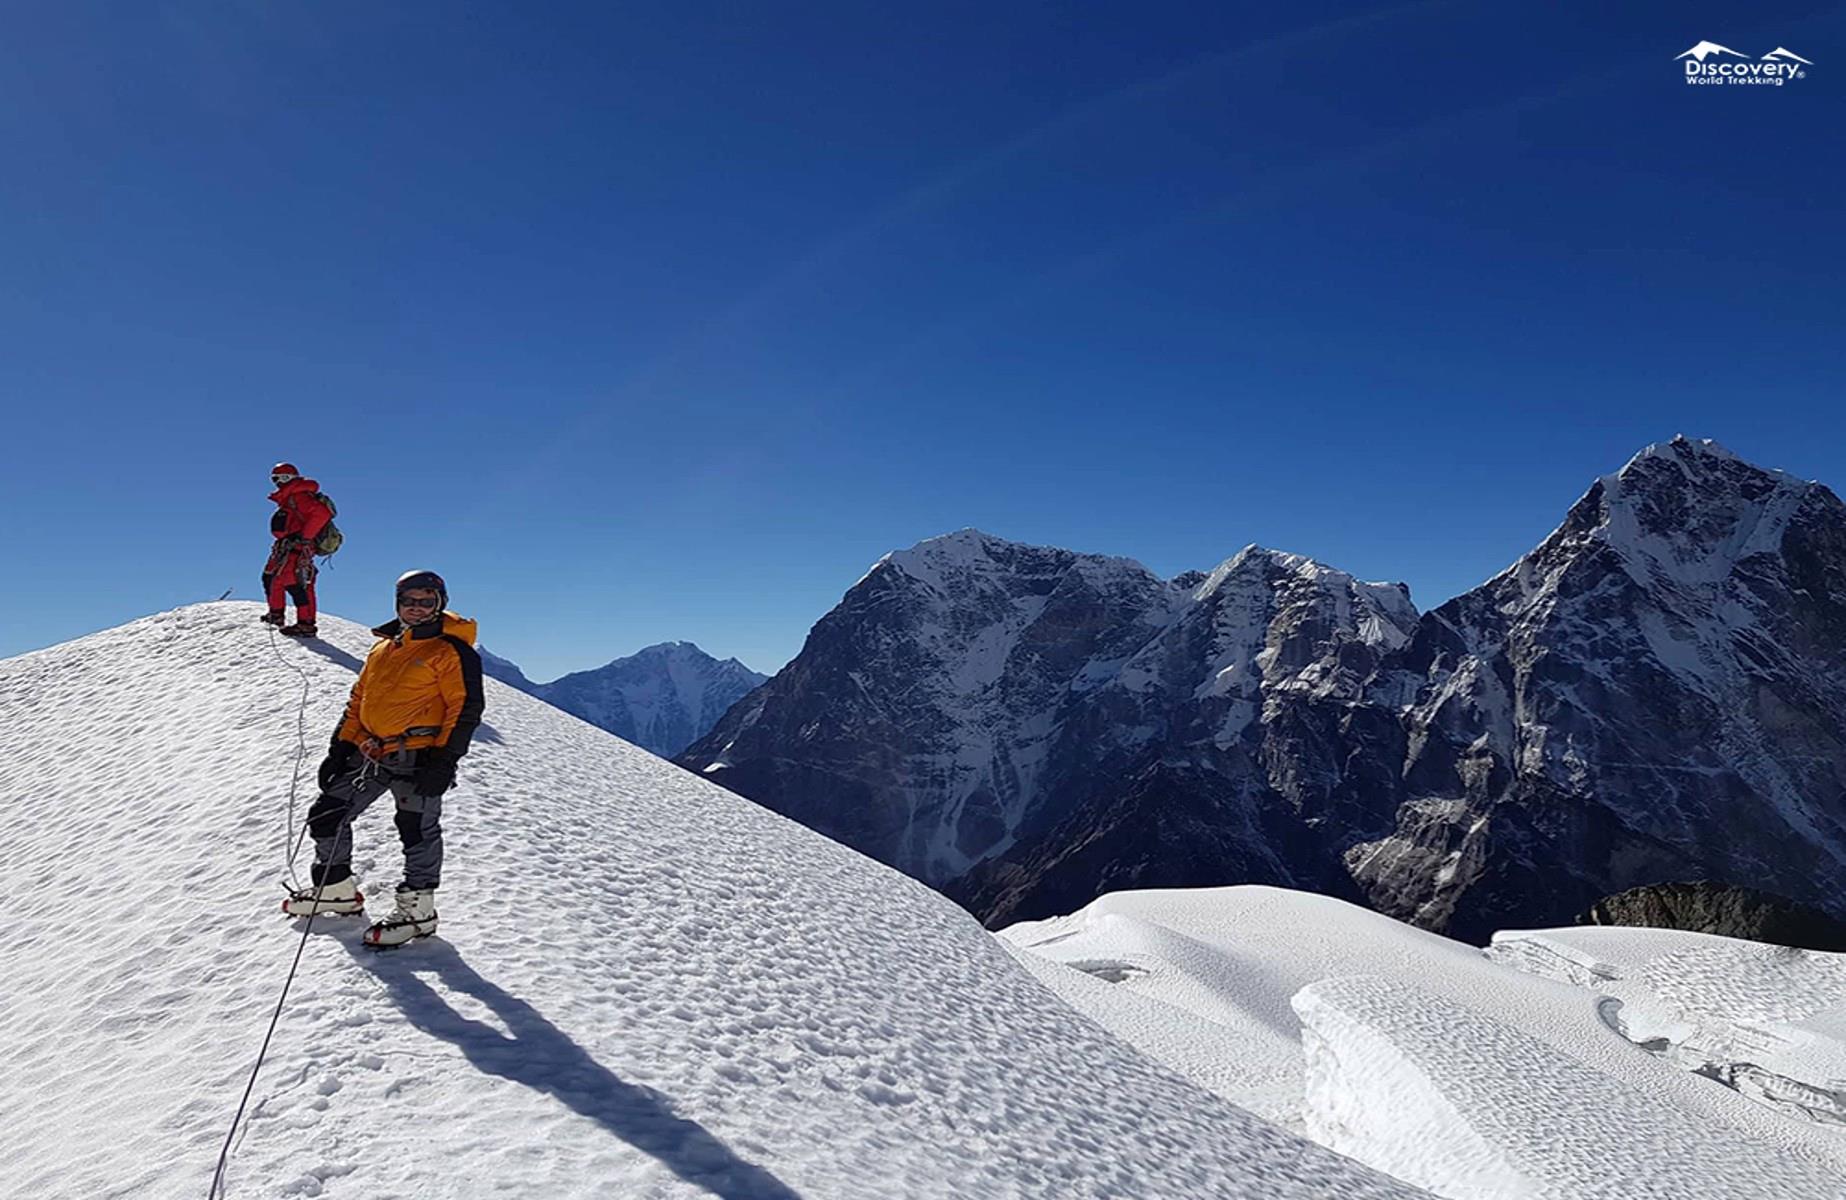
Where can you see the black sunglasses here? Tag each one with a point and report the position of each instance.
(404, 601)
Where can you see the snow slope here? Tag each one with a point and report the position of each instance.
(1769, 1021)
(644, 987)
(1431, 1061)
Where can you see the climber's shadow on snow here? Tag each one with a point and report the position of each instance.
(334, 654)
(542, 1057)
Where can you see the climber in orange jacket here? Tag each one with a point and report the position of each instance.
(296, 525)
(412, 714)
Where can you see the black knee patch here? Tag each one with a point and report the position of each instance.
(325, 817)
(298, 594)
(410, 827)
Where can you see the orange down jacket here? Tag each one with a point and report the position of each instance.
(422, 685)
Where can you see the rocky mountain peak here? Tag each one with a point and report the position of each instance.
(1387, 613)
(662, 697)
(1692, 509)
(1251, 562)
(966, 688)
(1682, 519)
(681, 653)
(955, 564)
(1653, 692)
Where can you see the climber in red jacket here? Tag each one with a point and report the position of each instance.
(299, 518)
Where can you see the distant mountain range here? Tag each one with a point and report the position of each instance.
(661, 698)
(1654, 693)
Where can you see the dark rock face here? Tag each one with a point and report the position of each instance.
(1723, 909)
(1650, 694)
(662, 698)
(1656, 692)
(917, 721)
(970, 695)
(1168, 826)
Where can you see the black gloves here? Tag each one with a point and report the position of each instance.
(435, 771)
(434, 775)
(338, 756)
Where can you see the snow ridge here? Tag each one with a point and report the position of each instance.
(1468, 1074)
(1656, 691)
(1767, 1021)
(643, 985)
(1663, 661)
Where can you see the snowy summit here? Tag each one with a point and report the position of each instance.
(662, 698)
(644, 986)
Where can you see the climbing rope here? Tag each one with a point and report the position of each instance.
(291, 841)
(224, 1152)
(307, 926)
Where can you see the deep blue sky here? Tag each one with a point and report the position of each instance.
(655, 321)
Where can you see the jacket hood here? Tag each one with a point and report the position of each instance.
(294, 487)
(464, 628)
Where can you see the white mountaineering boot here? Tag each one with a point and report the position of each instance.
(342, 897)
(414, 917)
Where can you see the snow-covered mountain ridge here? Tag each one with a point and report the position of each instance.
(643, 986)
(1655, 692)
(966, 690)
(662, 697)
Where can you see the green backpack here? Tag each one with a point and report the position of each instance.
(330, 538)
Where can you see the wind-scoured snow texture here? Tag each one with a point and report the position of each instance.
(1205, 981)
(662, 698)
(1474, 1109)
(1769, 1021)
(643, 985)
(970, 694)
(1657, 692)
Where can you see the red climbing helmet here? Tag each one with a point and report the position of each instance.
(283, 472)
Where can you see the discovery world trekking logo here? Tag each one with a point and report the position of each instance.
(1708, 62)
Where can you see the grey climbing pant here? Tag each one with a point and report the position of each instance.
(419, 820)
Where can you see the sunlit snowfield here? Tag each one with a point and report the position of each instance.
(645, 986)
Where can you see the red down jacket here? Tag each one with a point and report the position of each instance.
(302, 516)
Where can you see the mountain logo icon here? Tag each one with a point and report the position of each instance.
(1727, 66)
(1705, 50)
